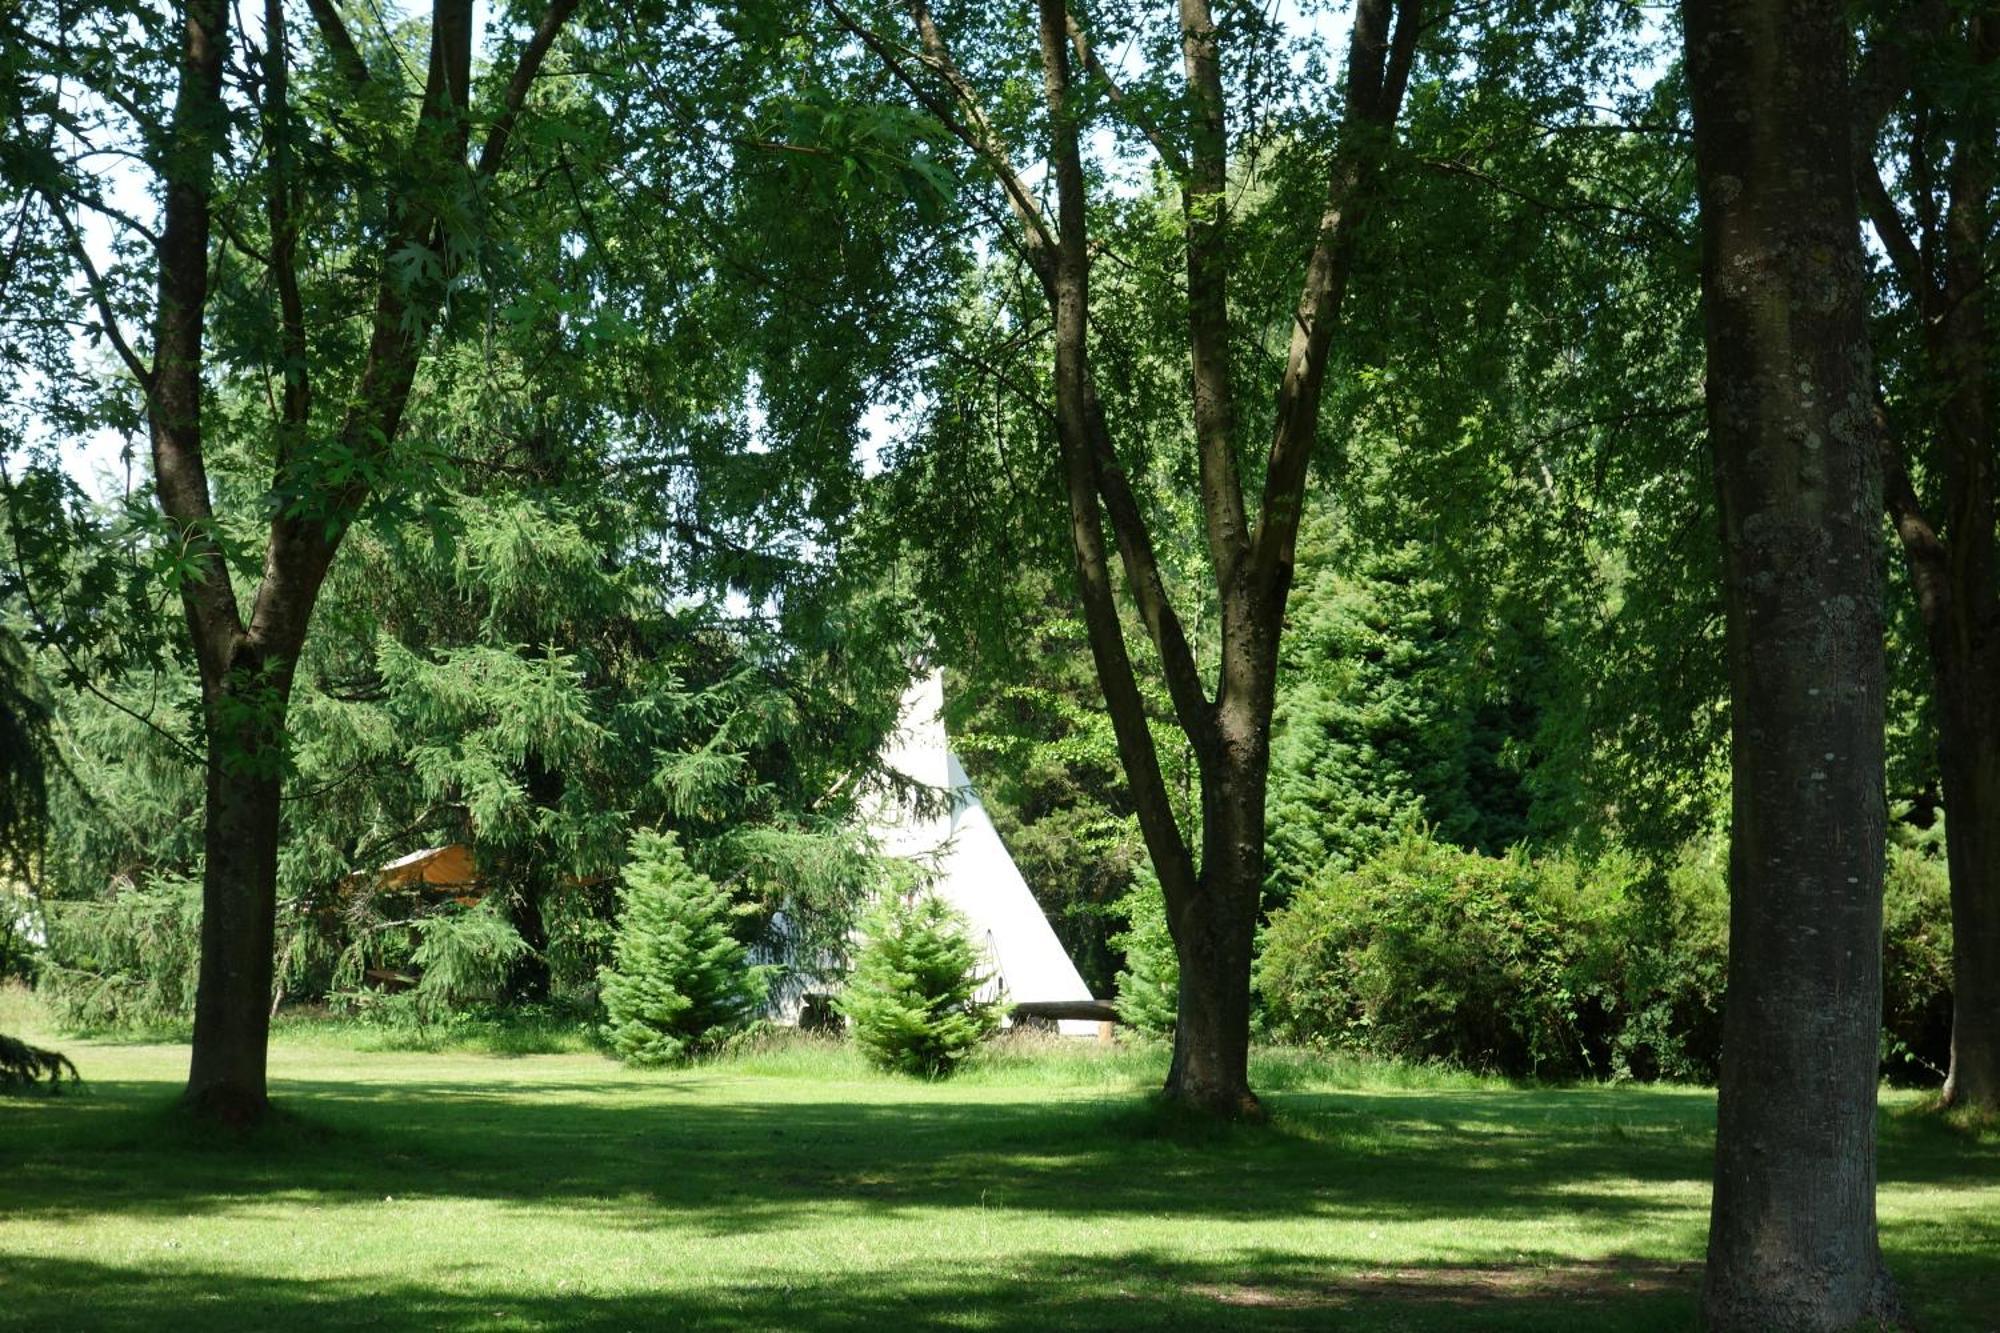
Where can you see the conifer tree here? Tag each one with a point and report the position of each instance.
(1149, 983)
(913, 997)
(679, 980)
(1408, 702)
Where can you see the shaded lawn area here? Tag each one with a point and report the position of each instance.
(797, 1190)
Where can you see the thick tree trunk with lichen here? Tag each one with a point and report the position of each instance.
(1792, 1233)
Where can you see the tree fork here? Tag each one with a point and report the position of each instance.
(1212, 912)
(246, 665)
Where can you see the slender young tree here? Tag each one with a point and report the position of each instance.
(1796, 443)
(1212, 892)
(328, 460)
(1938, 245)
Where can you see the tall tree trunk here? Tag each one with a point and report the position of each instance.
(1969, 716)
(247, 664)
(1967, 653)
(1792, 1233)
(1965, 683)
(232, 1018)
(1215, 928)
(1954, 570)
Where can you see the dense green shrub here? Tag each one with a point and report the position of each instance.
(1149, 983)
(1427, 952)
(1916, 965)
(1673, 943)
(1562, 967)
(679, 981)
(1676, 942)
(913, 997)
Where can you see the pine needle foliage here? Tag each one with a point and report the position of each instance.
(1149, 984)
(679, 981)
(23, 1067)
(129, 960)
(24, 718)
(913, 997)
(465, 957)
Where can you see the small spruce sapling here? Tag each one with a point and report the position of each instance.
(679, 982)
(1149, 984)
(913, 995)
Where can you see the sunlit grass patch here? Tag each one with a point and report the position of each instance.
(787, 1185)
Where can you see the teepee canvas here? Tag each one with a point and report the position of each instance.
(969, 865)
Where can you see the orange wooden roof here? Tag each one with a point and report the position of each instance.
(448, 867)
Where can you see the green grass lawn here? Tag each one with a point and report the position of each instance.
(794, 1189)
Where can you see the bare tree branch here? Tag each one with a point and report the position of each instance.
(1205, 209)
(284, 234)
(1904, 256)
(174, 401)
(1174, 160)
(346, 55)
(975, 131)
(1142, 577)
(1084, 480)
(529, 66)
(1929, 560)
(99, 296)
(1378, 72)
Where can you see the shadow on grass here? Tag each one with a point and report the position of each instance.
(651, 1155)
(732, 1168)
(1138, 1290)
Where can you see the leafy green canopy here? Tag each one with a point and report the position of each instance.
(586, 602)
(587, 592)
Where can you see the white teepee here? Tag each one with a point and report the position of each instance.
(969, 865)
